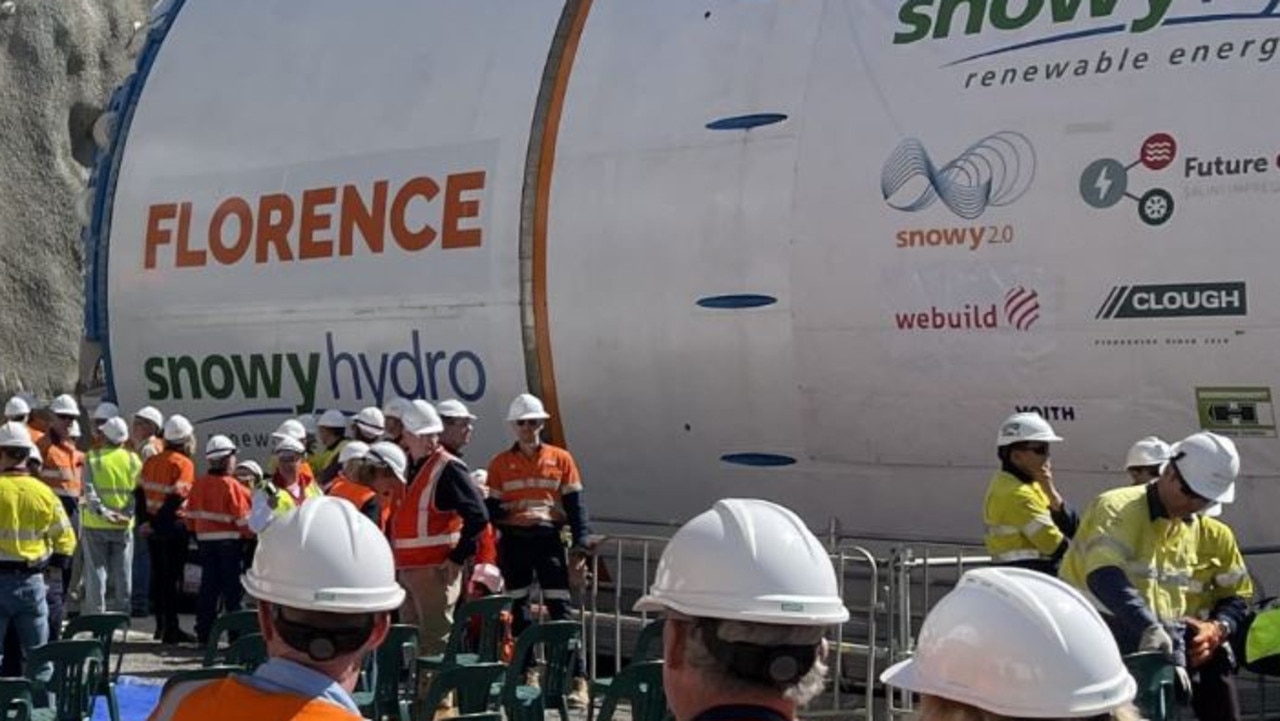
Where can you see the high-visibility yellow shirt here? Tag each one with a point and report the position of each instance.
(113, 473)
(286, 502)
(320, 460)
(1019, 523)
(1220, 572)
(1156, 554)
(33, 524)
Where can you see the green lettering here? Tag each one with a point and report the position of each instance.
(176, 366)
(256, 373)
(1001, 18)
(223, 385)
(1153, 19)
(1064, 11)
(913, 14)
(306, 379)
(158, 385)
(973, 23)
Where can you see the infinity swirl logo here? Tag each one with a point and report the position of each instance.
(991, 173)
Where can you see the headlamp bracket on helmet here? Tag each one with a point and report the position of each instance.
(322, 644)
(772, 665)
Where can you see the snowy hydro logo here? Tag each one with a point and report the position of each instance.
(991, 173)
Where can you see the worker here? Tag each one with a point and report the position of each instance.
(111, 475)
(18, 409)
(289, 486)
(435, 530)
(105, 411)
(325, 583)
(218, 513)
(167, 478)
(251, 477)
(347, 484)
(1135, 554)
(62, 471)
(148, 424)
(1028, 523)
(748, 593)
(331, 434)
(1145, 460)
(458, 425)
(291, 428)
(37, 547)
(391, 413)
(1217, 608)
(384, 471)
(535, 493)
(11, 657)
(368, 425)
(310, 429)
(1012, 643)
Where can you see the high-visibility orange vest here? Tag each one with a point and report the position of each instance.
(166, 473)
(532, 490)
(218, 508)
(63, 464)
(421, 533)
(214, 700)
(347, 489)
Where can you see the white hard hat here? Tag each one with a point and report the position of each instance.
(106, 410)
(33, 454)
(309, 423)
(332, 418)
(16, 406)
(527, 407)
(1209, 463)
(151, 414)
(289, 444)
(177, 428)
(489, 576)
(747, 560)
(420, 419)
(291, 428)
(251, 467)
(1023, 427)
(115, 430)
(395, 408)
(73, 430)
(14, 434)
(454, 409)
(353, 451)
(371, 420)
(64, 405)
(325, 556)
(390, 455)
(480, 477)
(1150, 451)
(218, 446)
(1017, 643)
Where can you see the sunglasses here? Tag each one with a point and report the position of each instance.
(1040, 449)
(529, 422)
(287, 457)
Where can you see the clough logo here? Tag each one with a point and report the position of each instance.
(1182, 300)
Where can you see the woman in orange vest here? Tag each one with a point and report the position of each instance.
(347, 485)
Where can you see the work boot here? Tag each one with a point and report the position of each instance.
(580, 695)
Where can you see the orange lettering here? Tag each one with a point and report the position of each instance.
(157, 236)
(313, 221)
(230, 254)
(186, 257)
(455, 209)
(405, 238)
(275, 215)
(371, 221)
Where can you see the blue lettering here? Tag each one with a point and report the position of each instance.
(476, 375)
(334, 360)
(414, 357)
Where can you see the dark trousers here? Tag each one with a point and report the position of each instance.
(220, 564)
(11, 664)
(168, 557)
(525, 554)
(57, 592)
(1213, 690)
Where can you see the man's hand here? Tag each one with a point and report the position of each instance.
(1207, 637)
(1156, 638)
(1044, 478)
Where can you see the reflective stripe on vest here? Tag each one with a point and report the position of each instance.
(1011, 556)
(422, 534)
(219, 536)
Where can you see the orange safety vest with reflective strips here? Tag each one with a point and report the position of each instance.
(345, 488)
(63, 464)
(218, 508)
(164, 474)
(421, 533)
(216, 700)
(531, 490)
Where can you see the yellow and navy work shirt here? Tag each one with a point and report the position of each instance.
(1020, 527)
(1220, 574)
(33, 523)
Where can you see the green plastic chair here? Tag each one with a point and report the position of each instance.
(394, 681)
(472, 687)
(456, 653)
(78, 666)
(248, 652)
(232, 625)
(1157, 685)
(103, 628)
(648, 648)
(15, 699)
(561, 643)
(490, 716)
(639, 684)
(210, 673)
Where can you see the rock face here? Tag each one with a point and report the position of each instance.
(59, 61)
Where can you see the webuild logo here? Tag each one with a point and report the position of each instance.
(1019, 310)
(351, 378)
(1178, 300)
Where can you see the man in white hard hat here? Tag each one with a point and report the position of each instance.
(1010, 643)
(63, 471)
(535, 498)
(148, 424)
(325, 582)
(291, 428)
(348, 484)
(1145, 460)
(111, 474)
(458, 425)
(391, 414)
(435, 530)
(748, 594)
(368, 425)
(385, 466)
(103, 412)
(144, 431)
(18, 409)
(38, 536)
(1028, 524)
(290, 486)
(1136, 552)
(167, 478)
(218, 513)
(331, 433)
